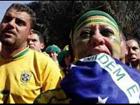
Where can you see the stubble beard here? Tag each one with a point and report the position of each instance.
(6, 42)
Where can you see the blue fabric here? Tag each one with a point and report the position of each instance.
(88, 82)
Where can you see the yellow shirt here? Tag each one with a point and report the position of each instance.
(26, 76)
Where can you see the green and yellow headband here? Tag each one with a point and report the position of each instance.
(82, 20)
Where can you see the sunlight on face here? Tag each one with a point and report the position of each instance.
(97, 34)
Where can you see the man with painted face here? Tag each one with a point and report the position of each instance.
(97, 75)
(25, 73)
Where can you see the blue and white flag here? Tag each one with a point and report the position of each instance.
(102, 79)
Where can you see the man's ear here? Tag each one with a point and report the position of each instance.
(31, 31)
(42, 46)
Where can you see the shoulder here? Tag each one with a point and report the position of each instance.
(40, 55)
(44, 61)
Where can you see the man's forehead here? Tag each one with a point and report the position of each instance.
(132, 42)
(34, 36)
(20, 14)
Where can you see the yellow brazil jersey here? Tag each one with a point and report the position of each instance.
(26, 76)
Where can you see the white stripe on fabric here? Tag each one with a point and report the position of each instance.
(119, 76)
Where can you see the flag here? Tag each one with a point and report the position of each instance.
(102, 79)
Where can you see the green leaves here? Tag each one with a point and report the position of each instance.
(56, 18)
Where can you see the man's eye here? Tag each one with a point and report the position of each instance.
(7, 19)
(86, 34)
(20, 22)
(135, 48)
(107, 32)
(34, 40)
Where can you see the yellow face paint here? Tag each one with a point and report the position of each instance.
(116, 46)
(97, 20)
(80, 44)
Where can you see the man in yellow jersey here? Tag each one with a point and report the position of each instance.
(25, 74)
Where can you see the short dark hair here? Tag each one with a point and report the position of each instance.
(41, 38)
(24, 8)
(133, 38)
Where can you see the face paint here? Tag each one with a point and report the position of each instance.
(97, 20)
(78, 51)
(80, 44)
(115, 46)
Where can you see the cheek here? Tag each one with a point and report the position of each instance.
(24, 33)
(80, 44)
(138, 52)
(80, 48)
(116, 49)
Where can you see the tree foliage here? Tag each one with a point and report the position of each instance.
(55, 19)
(128, 16)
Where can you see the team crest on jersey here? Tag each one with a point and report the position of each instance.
(25, 76)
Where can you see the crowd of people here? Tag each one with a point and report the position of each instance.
(100, 65)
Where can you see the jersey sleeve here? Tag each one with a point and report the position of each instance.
(51, 76)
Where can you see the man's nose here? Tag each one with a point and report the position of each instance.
(97, 39)
(30, 42)
(12, 23)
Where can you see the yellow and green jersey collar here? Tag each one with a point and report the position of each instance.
(21, 53)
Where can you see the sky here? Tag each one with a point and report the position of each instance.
(5, 4)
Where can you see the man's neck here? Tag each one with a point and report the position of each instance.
(136, 64)
(8, 51)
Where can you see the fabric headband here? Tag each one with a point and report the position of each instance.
(94, 13)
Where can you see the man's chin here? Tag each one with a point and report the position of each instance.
(7, 43)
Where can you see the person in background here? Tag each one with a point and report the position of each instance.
(25, 73)
(64, 59)
(53, 51)
(133, 56)
(97, 74)
(36, 41)
(0, 46)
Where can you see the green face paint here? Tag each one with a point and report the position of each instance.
(81, 42)
(96, 21)
(94, 13)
